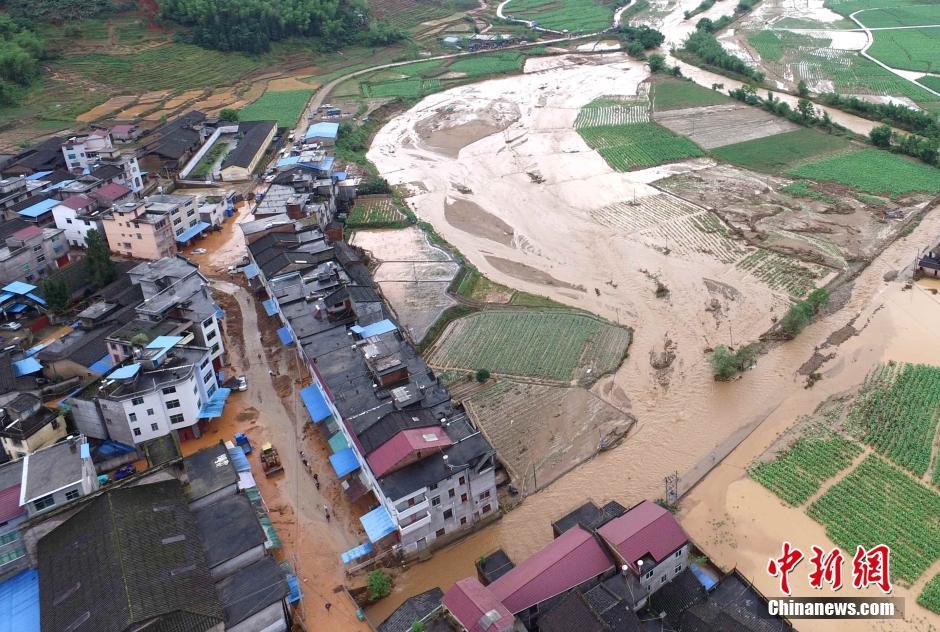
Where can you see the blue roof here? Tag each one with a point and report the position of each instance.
(344, 462)
(6, 296)
(323, 130)
(37, 348)
(110, 449)
(270, 306)
(285, 335)
(19, 602)
(125, 372)
(189, 233)
(339, 176)
(287, 161)
(18, 287)
(213, 408)
(239, 459)
(17, 308)
(381, 327)
(219, 312)
(356, 553)
(39, 175)
(85, 451)
(59, 185)
(38, 208)
(315, 403)
(326, 164)
(251, 270)
(26, 367)
(101, 366)
(164, 342)
(35, 298)
(377, 523)
(707, 581)
(295, 593)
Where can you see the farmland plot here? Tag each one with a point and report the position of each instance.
(773, 153)
(555, 345)
(643, 213)
(613, 111)
(636, 145)
(874, 171)
(897, 412)
(285, 107)
(577, 16)
(678, 95)
(930, 595)
(797, 473)
(375, 211)
(702, 233)
(718, 125)
(879, 504)
(910, 49)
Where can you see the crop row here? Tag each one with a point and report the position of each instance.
(780, 272)
(897, 414)
(873, 171)
(643, 213)
(613, 111)
(930, 596)
(374, 210)
(627, 147)
(798, 473)
(879, 504)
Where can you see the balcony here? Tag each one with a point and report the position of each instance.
(407, 512)
(417, 524)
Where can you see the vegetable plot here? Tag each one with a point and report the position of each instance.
(879, 504)
(627, 147)
(798, 473)
(930, 595)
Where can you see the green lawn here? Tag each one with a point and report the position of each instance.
(874, 171)
(676, 95)
(637, 145)
(577, 16)
(284, 107)
(774, 153)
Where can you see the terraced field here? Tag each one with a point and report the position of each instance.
(637, 145)
(576, 16)
(552, 344)
(613, 110)
(878, 503)
(798, 473)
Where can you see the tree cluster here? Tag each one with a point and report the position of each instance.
(918, 121)
(21, 52)
(727, 363)
(252, 25)
(98, 260)
(800, 314)
(639, 39)
(709, 50)
(60, 11)
(926, 149)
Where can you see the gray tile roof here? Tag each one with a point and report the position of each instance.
(251, 590)
(413, 609)
(228, 527)
(209, 470)
(52, 468)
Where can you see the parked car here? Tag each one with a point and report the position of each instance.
(269, 178)
(242, 383)
(11, 326)
(199, 251)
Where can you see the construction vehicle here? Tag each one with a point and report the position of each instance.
(270, 461)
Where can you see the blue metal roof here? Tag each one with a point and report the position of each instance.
(377, 523)
(326, 164)
(295, 593)
(285, 336)
(85, 451)
(322, 130)
(286, 161)
(251, 270)
(270, 306)
(189, 233)
(344, 462)
(26, 366)
(38, 208)
(316, 404)
(375, 329)
(17, 308)
(219, 312)
(707, 581)
(357, 552)
(39, 175)
(109, 449)
(35, 298)
(339, 176)
(101, 366)
(37, 348)
(239, 459)
(6, 296)
(125, 372)
(18, 287)
(58, 185)
(19, 602)
(213, 408)
(164, 342)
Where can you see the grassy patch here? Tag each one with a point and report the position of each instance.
(637, 145)
(930, 596)
(675, 95)
(800, 188)
(284, 107)
(874, 171)
(506, 61)
(797, 473)
(525, 299)
(777, 152)
(931, 82)
(879, 504)
(910, 49)
(577, 16)
(902, 16)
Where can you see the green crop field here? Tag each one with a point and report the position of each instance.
(930, 596)
(627, 147)
(909, 49)
(896, 413)
(782, 273)
(797, 474)
(613, 110)
(874, 171)
(847, 7)
(577, 16)
(931, 82)
(375, 211)
(675, 95)
(507, 61)
(552, 344)
(775, 153)
(284, 107)
(918, 15)
(801, 188)
(772, 44)
(879, 504)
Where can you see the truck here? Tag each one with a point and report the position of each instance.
(270, 461)
(242, 441)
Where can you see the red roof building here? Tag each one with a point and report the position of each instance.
(78, 202)
(110, 193)
(570, 560)
(407, 447)
(647, 529)
(10, 504)
(27, 233)
(473, 605)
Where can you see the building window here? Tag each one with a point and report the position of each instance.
(137, 401)
(190, 212)
(132, 417)
(215, 348)
(68, 221)
(663, 580)
(72, 494)
(435, 501)
(463, 498)
(204, 364)
(6, 538)
(439, 532)
(11, 556)
(649, 575)
(195, 389)
(448, 514)
(207, 377)
(150, 412)
(154, 427)
(173, 403)
(42, 503)
(462, 480)
(678, 553)
(212, 334)
(169, 390)
(175, 419)
(463, 520)
(136, 432)
(207, 322)
(211, 390)
(451, 493)
(40, 258)
(139, 236)
(678, 569)
(485, 494)
(486, 509)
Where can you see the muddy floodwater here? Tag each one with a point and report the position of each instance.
(537, 187)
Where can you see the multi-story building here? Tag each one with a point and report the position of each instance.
(85, 154)
(31, 252)
(18, 189)
(134, 230)
(56, 475)
(77, 215)
(12, 550)
(181, 210)
(26, 425)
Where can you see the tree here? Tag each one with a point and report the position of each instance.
(57, 295)
(657, 63)
(806, 109)
(635, 49)
(482, 375)
(705, 24)
(880, 136)
(98, 260)
(379, 583)
(417, 626)
(229, 114)
(727, 363)
(802, 89)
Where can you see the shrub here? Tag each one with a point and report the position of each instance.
(727, 363)
(379, 584)
(482, 375)
(800, 314)
(657, 63)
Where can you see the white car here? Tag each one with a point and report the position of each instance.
(199, 251)
(270, 178)
(11, 326)
(242, 383)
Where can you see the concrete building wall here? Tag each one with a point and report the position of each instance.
(76, 228)
(88, 419)
(226, 568)
(142, 241)
(13, 557)
(47, 435)
(657, 577)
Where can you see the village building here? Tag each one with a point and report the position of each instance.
(167, 148)
(56, 475)
(15, 190)
(26, 425)
(324, 133)
(45, 155)
(254, 137)
(96, 155)
(126, 132)
(31, 253)
(77, 215)
(132, 230)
